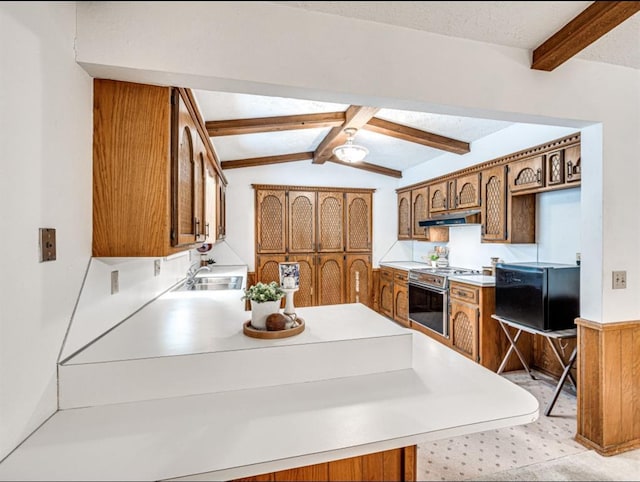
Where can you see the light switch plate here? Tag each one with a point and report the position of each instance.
(47, 244)
(619, 280)
(156, 267)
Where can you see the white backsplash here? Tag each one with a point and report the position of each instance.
(97, 310)
(557, 238)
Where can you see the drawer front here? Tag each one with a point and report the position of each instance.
(400, 276)
(386, 273)
(464, 292)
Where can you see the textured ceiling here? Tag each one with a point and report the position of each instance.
(383, 150)
(515, 24)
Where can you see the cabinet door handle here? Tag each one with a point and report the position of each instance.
(569, 169)
(197, 223)
(207, 230)
(539, 175)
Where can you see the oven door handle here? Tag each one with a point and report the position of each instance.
(426, 287)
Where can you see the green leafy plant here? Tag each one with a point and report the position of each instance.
(434, 257)
(261, 292)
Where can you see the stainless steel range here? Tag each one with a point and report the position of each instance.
(429, 296)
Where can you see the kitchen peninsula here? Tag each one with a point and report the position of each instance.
(177, 391)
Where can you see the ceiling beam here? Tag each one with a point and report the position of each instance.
(591, 24)
(263, 161)
(385, 171)
(274, 124)
(355, 116)
(410, 134)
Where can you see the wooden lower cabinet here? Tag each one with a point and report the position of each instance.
(396, 464)
(393, 298)
(401, 297)
(325, 279)
(385, 299)
(463, 326)
(475, 334)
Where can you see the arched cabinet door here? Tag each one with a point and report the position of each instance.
(330, 222)
(404, 215)
(330, 279)
(270, 221)
(419, 211)
(305, 295)
(301, 232)
(358, 221)
(494, 204)
(463, 326)
(358, 273)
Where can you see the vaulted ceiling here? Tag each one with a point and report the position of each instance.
(249, 130)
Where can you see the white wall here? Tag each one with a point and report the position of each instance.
(240, 200)
(45, 181)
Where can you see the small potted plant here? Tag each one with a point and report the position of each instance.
(434, 259)
(265, 300)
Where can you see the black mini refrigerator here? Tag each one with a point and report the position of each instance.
(544, 296)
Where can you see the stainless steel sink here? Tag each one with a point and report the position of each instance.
(211, 283)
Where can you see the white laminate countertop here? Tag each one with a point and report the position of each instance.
(475, 279)
(406, 265)
(237, 433)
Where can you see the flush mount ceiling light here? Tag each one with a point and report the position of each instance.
(349, 152)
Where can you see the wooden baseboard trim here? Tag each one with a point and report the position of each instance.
(607, 451)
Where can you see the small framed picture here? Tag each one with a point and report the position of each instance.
(289, 275)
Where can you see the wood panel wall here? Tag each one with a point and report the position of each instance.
(608, 386)
(396, 464)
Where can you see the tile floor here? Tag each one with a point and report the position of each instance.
(542, 450)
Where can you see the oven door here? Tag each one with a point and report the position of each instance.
(428, 307)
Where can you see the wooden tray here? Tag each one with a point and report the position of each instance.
(249, 330)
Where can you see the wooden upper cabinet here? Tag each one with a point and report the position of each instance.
(419, 212)
(330, 279)
(270, 221)
(527, 174)
(494, 204)
(466, 191)
(330, 222)
(211, 209)
(221, 209)
(358, 218)
(189, 167)
(438, 194)
(555, 171)
(404, 215)
(358, 275)
(572, 164)
(301, 232)
(143, 171)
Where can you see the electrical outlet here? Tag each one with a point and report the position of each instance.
(156, 267)
(115, 284)
(619, 280)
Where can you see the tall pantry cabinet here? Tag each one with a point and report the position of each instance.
(328, 231)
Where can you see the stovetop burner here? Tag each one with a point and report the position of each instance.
(437, 277)
(447, 271)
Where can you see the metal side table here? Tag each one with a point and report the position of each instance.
(549, 336)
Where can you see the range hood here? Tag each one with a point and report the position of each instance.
(463, 218)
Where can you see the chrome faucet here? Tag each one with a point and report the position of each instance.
(193, 271)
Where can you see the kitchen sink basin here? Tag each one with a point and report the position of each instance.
(212, 283)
